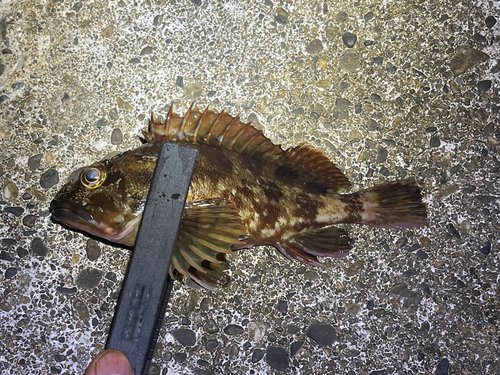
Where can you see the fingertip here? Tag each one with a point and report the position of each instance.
(110, 362)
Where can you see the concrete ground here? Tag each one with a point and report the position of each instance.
(387, 89)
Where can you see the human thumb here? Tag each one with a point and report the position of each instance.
(110, 362)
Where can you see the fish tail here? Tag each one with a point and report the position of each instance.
(395, 204)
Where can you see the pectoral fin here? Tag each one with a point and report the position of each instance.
(208, 230)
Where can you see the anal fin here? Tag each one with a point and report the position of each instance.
(306, 247)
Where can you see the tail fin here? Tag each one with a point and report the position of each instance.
(396, 204)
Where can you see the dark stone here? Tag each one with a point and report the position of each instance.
(282, 306)
(486, 249)
(257, 355)
(485, 199)
(77, 6)
(111, 276)
(185, 336)
(442, 367)
(89, 278)
(466, 58)
(295, 347)
(384, 171)
(179, 81)
(4, 99)
(146, 51)
(490, 21)
(378, 372)
(378, 60)
(369, 42)
(93, 250)
(435, 141)
(211, 345)
(453, 231)
(64, 290)
(16, 211)
(484, 85)
(277, 358)
(211, 93)
(59, 358)
(372, 125)
(211, 326)
(358, 108)
(180, 357)
(7, 242)
(480, 38)
(234, 329)
(49, 178)
(203, 371)
(135, 60)
(322, 334)
(38, 247)
(370, 305)
(431, 129)
(82, 310)
(196, 2)
(349, 39)
(422, 254)
(29, 220)
(26, 196)
(10, 272)
(4, 255)
(22, 252)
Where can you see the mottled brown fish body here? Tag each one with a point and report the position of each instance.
(245, 191)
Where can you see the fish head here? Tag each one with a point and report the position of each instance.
(107, 199)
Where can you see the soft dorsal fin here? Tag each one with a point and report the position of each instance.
(226, 131)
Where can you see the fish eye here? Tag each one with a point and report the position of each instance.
(93, 177)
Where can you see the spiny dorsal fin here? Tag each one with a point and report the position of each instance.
(207, 231)
(226, 131)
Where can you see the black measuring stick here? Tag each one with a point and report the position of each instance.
(146, 288)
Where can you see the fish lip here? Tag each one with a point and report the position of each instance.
(82, 220)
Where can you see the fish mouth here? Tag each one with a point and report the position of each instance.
(81, 220)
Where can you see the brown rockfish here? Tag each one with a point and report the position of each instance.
(245, 192)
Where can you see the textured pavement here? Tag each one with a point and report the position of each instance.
(387, 90)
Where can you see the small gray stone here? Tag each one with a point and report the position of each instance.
(368, 16)
(113, 114)
(372, 125)
(390, 68)
(196, 2)
(17, 86)
(382, 155)
(211, 326)
(211, 345)
(116, 136)
(38, 247)
(295, 347)
(233, 329)
(35, 161)
(101, 122)
(490, 21)
(277, 358)
(443, 367)
(82, 310)
(350, 62)
(135, 60)
(257, 355)
(4, 99)
(314, 46)
(49, 178)
(185, 336)
(146, 51)
(483, 86)
(282, 306)
(322, 334)
(29, 220)
(89, 278)
(179, 81)
(16, 211)
(349, 39)
(342, 103)
(281, 16)
(435, 141)
(10, 272)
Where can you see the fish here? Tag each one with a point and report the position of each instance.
(245, 192)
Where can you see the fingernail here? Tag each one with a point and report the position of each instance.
(114, 363)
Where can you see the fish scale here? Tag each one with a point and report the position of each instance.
(245, 192)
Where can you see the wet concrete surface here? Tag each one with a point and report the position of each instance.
(387, 90)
